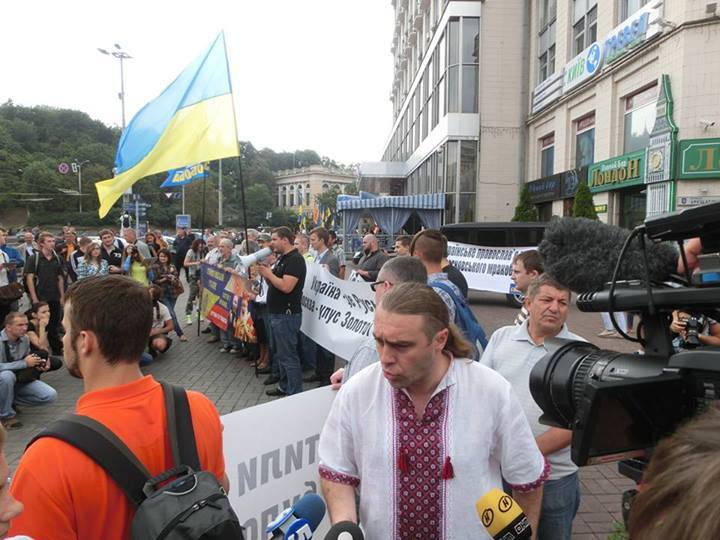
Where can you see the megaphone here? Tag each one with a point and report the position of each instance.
(247, 261)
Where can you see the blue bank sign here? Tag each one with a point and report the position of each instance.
(584, 66)
(634, 31)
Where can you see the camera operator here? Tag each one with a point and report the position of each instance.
(694, 330)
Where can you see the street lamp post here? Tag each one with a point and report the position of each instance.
(79, 167)
(121, 55)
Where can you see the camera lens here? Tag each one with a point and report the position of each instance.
(559, 380)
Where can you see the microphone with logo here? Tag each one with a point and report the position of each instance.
(299, 521)
(345, 530)
(502, 517)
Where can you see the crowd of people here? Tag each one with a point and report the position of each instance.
(425, 416)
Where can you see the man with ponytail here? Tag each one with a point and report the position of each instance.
(426, 431)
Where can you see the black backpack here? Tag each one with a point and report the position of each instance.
(181, 503)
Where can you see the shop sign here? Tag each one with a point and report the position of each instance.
(619, 172)
(558, 186)
(697, 201)
(699, 159)
(584, 66)
(547, 91)
(634, 31)
(601, 208)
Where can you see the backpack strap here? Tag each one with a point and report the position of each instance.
(180, 428)
(445, 287)
(104, 448)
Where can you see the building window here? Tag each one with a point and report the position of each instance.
(584, 24)
(463, 42)
(639, 119)
(628, 7)
(547, 155)
(460, 180)
(547, 63)
(585, 141)
(548, 12)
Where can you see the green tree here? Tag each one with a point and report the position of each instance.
(583, 205)
(525, 210)
(328, 198)
(351, 189)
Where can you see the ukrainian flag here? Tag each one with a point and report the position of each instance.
(193, 120)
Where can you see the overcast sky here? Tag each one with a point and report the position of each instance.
(310, 74)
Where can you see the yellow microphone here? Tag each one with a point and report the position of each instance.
(502, 517)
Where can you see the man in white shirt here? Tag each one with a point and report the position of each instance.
(425, 432)
(513, 351)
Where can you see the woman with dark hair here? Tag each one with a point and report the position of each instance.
(167, 279)
(152, 244)
(192, 263)
(158, 341)
(92, 264)
(38, 318)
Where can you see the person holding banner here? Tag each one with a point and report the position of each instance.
(425, 431)
(285, 281)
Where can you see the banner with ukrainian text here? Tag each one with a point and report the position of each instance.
(485, 268)
(337, 314)
(225, 302)
(182, 177)
(271, 457)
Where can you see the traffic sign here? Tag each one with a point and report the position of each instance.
(63, 168)
(182, 221)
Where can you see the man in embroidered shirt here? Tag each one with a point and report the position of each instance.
(395, 271)
(512, 352)
(526, 267)
(424, 432)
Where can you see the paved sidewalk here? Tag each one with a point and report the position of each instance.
(230, 382)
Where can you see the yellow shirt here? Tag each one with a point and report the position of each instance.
(138, 271)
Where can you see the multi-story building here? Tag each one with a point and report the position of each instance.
(459, 103)
(621, 90)
(490, 95)
(297, 187)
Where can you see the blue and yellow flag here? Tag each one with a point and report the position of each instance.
(193, 120)
(181, 177)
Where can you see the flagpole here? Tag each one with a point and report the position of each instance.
(239, 161)
(183, 199)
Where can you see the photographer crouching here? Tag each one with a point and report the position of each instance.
(20, 371)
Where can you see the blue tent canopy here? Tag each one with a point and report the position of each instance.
(391, 212)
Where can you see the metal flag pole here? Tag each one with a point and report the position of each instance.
(202, 231)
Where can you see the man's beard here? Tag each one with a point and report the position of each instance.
(72, 364)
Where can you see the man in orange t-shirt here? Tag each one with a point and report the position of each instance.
(66, 495)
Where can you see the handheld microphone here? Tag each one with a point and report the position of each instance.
(582, 253)
(502, 517)
(345, 530)
(299, 521)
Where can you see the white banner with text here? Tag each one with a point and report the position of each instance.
(337, 314)
(485, 268)
(271, 457)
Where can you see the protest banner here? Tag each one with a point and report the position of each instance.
(337, 314)
(271, 457)
(485, 268)
(224, 302)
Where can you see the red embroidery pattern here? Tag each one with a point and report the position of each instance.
(340, 478)
(524, 488)
(420, 446)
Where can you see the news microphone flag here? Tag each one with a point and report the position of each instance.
(192, 121)
(502, 517)
(181, 177)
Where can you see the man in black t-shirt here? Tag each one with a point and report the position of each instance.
(286, 281)
(44, 280)
(111, 251)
